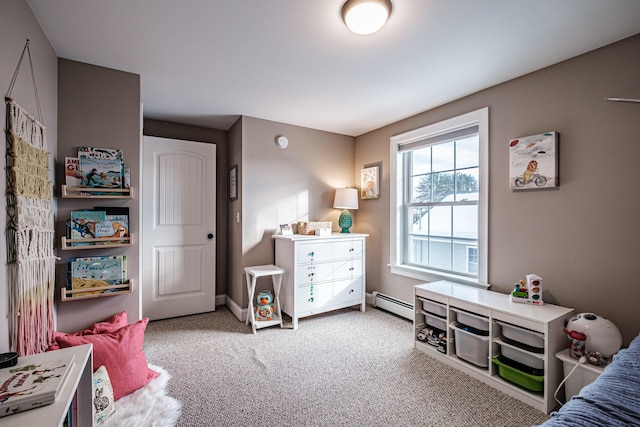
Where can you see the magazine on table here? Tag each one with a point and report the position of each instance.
(31, 385)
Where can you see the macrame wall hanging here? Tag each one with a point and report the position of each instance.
(30, 231)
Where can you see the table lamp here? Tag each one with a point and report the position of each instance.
(345, 199)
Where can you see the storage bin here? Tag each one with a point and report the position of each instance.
(476, 321)
(435, 321)
(522, 335)
(434, 337)
(509, 371)
(471, 347)
(434, 307)
(527, 358)
(583, 375)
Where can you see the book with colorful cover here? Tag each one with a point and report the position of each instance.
(30, 385)
(96, 272)
(115, 225)
(72, 174)
(101, 153)
(101, 173)
(83, 225)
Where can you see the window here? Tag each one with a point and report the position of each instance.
(439, 200)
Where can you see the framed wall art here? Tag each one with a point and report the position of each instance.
(370, 183)
(534, 162)
(233, 183)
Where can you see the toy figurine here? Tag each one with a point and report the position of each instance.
(264, 306)
(528, 290)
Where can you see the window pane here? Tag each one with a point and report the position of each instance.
(443, 188)
(421, 161)
(465, 222)
(440, 253)
(419, 220)
(418, 250)
(467, 184)
(440, 221)
(421, 189)
(442, 154)
(467, 152)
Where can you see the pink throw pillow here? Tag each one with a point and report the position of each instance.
(112, 324)
(121, 353)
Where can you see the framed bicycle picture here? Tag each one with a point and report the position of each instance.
(534, 162)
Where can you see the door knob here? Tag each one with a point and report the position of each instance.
(210, 236)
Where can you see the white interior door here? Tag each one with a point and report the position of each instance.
(178, 227)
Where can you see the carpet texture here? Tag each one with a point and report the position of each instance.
(344, 368)
(147, 407)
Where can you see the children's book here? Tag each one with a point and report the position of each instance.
(72, 175)
(83, 225)
(115, 225)
(101, 153)
(31, 385)
(100, 173)
(94, 272)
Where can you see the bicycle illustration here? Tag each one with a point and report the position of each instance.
(538, 180)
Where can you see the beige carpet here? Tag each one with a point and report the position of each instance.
(344, 368)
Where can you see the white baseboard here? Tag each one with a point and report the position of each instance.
(240, 313)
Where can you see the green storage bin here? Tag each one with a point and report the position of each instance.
(516, 376)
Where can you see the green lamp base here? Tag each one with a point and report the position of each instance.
(345, 221)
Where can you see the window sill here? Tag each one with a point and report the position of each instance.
(432, 276)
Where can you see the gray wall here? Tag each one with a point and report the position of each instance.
(165, 129)
(17, 24)
(99, 107)
(582, 237)
(282, 186)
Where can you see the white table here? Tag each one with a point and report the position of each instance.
(79, 380)
(252, 276)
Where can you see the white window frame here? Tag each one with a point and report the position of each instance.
(478, 118)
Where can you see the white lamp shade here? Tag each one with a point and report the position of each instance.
(346, 198)
(366, 16)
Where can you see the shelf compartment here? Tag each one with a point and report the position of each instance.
(96, 243)
(95, 193)
(67, 294)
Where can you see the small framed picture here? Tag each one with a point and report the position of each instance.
(233, 183)
(534, 161)
(369, 183)
(286, 230)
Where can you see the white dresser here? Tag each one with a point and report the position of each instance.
(321, 273)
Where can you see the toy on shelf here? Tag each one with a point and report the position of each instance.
(528, 290)
(577, 343)
(264, 306)
(602, 338)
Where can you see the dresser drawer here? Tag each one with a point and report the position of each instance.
(328, 251)
(328, 271)
(325, 295)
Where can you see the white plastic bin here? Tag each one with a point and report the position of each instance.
(434, 307)
(471, 347)
(584, 375)
(435, 321)
(522, 335)
(527, 358)
(476, 321)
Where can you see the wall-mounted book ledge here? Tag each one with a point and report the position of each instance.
(95, 243)
(98, 292)
(95, 193)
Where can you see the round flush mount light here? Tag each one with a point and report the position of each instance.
(366, 16)
(282, 142)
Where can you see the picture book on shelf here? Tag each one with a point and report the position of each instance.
(101, 173)
(96, 272)
(72, 175)
(31, 385)
(100, 153)
(115, 225)
(83, 224)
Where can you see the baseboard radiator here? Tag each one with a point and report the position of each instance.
(393, 305)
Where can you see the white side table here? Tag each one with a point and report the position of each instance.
(252, 274)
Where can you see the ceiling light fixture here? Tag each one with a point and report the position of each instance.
(366, 16)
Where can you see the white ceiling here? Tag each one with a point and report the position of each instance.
(205, 62)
